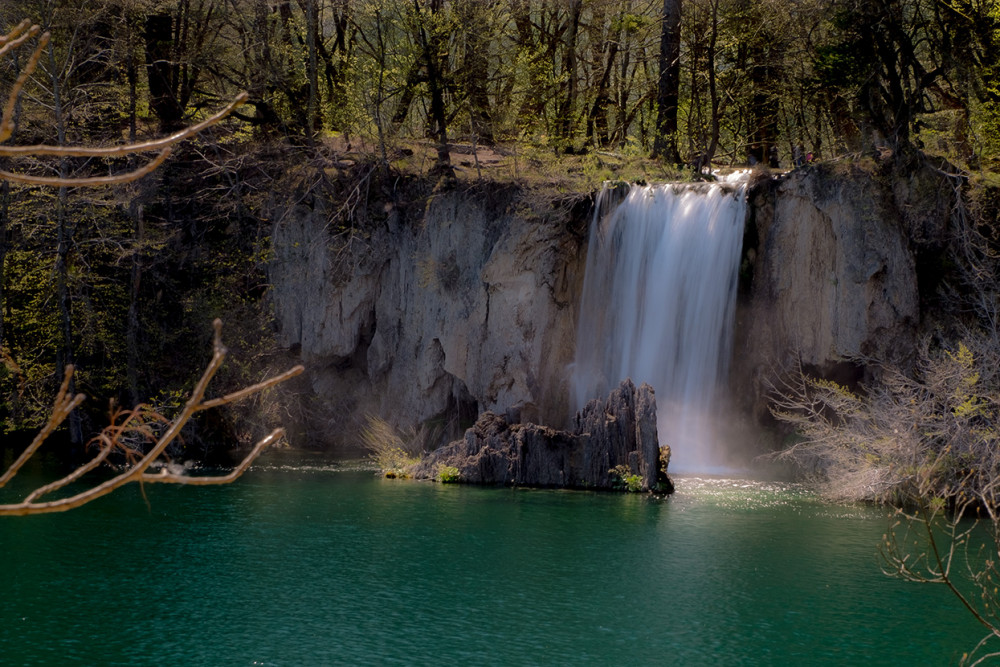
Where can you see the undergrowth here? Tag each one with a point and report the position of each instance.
(392, 454)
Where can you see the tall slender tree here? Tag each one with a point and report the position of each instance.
(432, 28)
(668, 83)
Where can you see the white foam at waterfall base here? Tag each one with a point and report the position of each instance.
(658, 306)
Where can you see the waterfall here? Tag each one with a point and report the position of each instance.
(658, 305)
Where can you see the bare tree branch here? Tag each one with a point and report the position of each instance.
(126, 149)
(55, 181)
(60, 410)
(137, 471)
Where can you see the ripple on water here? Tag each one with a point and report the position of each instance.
(741, 492)
(295, 467)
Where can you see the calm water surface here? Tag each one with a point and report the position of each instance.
(312, 565)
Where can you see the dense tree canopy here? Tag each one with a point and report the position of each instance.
(740, 75)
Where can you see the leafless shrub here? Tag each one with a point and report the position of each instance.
(935, 433)
(393, 453)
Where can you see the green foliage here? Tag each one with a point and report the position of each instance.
(968, 404)
(578, 76)
(623, 479)
(449, 475)
(836, 66)
(631, 23)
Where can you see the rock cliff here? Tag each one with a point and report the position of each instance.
(837, 255)
(464, 302)
(461, 303)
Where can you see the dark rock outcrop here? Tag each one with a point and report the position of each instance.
(607, 434)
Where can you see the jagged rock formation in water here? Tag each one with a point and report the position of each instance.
(617, 431)
(460, 303)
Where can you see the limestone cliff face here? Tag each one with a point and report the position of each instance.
(835, 254)
(466, 302)
(464, 306)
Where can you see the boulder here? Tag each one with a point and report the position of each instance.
(608, 437)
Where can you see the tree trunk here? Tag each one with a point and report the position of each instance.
(597, 117)
(431, 41)
(665, 142)
(134, 213)
(132, 326)
(5, 217)
(159, 72)
(623, 93)
(474, 75)
(4, 247)
(566, 108)
(532, 106)
(64, 241)
(413, 79)
(713, 93)
(312, 68)
(763, 112)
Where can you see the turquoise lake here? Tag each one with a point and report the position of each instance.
(312, 564)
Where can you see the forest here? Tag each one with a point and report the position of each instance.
(122, 281)
(695, 82)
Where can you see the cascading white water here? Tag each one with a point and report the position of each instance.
(658, 304)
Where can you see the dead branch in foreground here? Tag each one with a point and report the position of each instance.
(111, 439)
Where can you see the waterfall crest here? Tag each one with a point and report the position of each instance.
(658, 305)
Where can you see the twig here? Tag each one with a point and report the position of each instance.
(60, 410)
(117, 179)
(126, 149)
(167, 476)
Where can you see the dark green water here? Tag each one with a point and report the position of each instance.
(300, 565)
